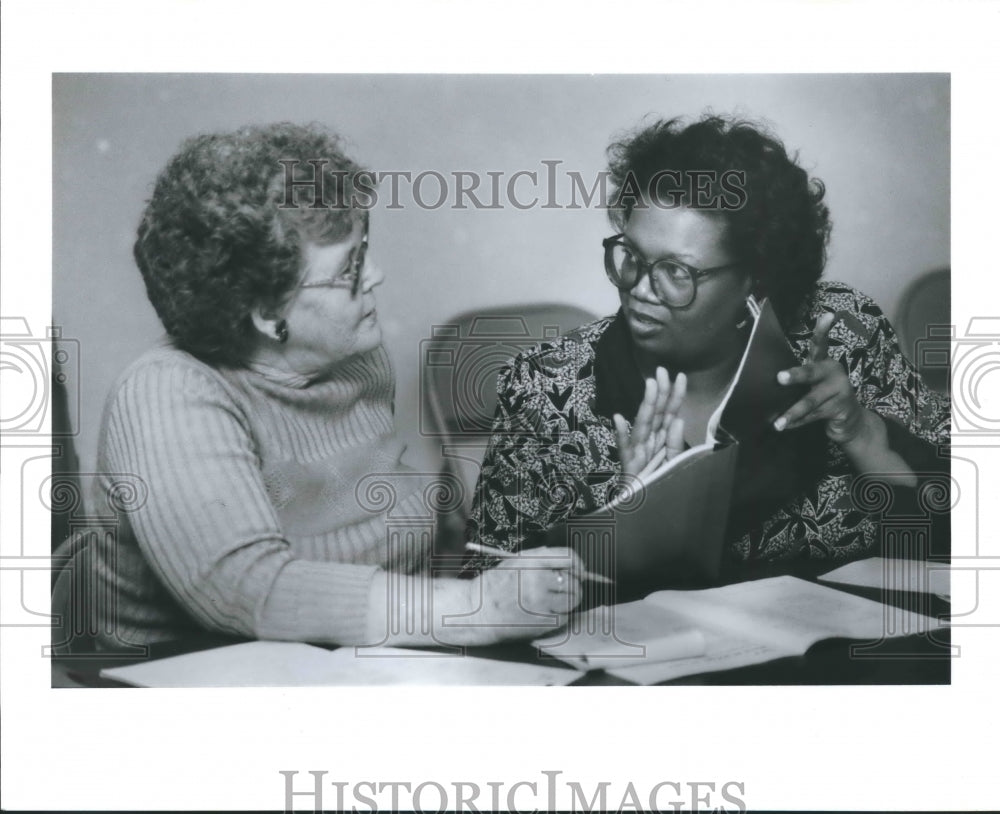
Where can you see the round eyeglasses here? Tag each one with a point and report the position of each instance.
(674, 283)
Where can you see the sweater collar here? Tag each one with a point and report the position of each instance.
(280, 376)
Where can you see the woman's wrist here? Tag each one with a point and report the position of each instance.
(869, 435)
(869, 452)
(411, 609)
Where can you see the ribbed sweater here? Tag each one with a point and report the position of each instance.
(236, 500)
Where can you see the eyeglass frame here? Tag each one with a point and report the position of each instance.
(357, 270)
(647, 268)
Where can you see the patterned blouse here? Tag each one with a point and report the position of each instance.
(553, 452)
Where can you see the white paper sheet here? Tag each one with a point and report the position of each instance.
(292, 664)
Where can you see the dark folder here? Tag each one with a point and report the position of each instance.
(670, 529)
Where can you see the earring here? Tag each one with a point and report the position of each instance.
(281, 331)
(753, 310)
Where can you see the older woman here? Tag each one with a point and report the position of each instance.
(705, 215)
(249, 435)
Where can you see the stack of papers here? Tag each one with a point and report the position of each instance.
(735, 626)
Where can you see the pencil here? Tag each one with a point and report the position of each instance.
(508, 555)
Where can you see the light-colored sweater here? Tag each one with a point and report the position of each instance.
(239, 505)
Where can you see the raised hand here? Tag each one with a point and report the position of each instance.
(657, 434)
(831, 397)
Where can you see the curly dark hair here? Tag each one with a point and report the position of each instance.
(780, 226)
(223, 230)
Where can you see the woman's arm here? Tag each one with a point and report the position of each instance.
(872, 400)
(210, 533)
(208, 528)
(903, 430)
(859, 431)
(521, 597)
(542, 463)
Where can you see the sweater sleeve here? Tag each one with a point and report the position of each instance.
(208, 529)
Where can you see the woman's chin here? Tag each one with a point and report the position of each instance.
(370, 331)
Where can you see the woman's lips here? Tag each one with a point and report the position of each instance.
(642, 324)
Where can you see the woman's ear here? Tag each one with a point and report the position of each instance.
(269, 324)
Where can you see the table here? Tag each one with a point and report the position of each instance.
(904, 660)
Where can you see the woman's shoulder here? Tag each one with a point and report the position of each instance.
(168, 373)
(831, 295)
(567, 354)
(860, 320)
(577, 342)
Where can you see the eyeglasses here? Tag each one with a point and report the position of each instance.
(349, 277)
(674, 283)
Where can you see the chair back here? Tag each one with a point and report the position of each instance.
(924, 327)
(459, 366)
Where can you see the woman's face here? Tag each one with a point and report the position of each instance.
(703, 333)
(327, 321)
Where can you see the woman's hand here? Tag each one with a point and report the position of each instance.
(657, 434)
(525, 596)
(830, 398)
(861, 433)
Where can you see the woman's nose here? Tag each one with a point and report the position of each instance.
(643, 288)
(371, 275)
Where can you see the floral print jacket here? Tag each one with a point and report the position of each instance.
(553, 452)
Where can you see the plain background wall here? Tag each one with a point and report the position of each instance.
(879, 142)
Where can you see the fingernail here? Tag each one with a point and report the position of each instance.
(784, 378)
(780, 423)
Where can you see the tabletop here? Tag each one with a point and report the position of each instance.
(916, 659)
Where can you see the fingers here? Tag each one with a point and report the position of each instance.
(655, 433)
(675, 438)
(831, 395)
(810, 373)
(820, 342)
(662, 381)
(655, 461)
(549, 591)
(671, 445)
(810, 407)
(676, 396)
(643, 424)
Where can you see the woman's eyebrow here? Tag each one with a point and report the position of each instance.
(686, 256)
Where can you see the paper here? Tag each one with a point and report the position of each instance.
(723, 651)
(914, 576)
(761, 620)
(623, 635)
(292, 664)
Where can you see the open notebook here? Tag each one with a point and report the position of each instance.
(672, 523)
(736, 625)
